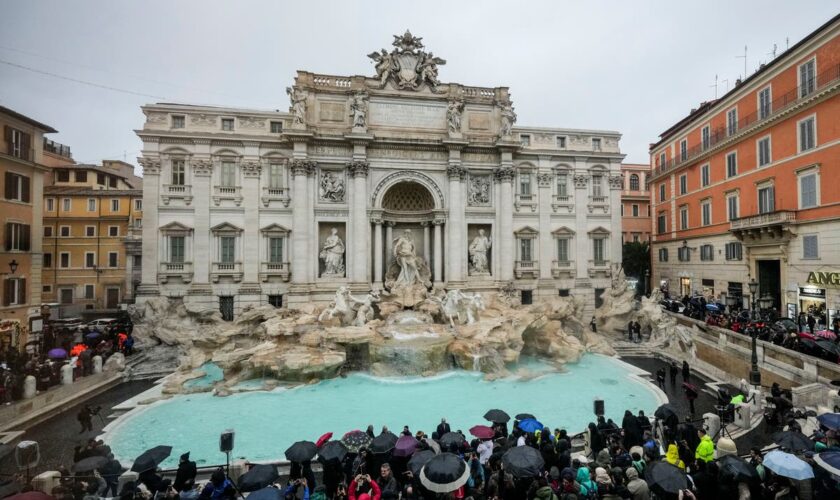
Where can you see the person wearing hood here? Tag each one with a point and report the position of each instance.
(185, 477)
(542, 490)
(569, 488)
(632, 430)
(637, 487)
(603, 459)
(672, 456)
(587, 485)
(603, 482)
(596, 441)
(638, 463)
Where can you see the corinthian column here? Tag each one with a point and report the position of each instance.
(455, 230)
(544, 180)
(202, 253)
(151, 227)
(301, 171)
(360, 245)
(438, 277)
(250, 199)
(504, 175)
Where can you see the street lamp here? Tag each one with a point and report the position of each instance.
(765, 302)
(13, 265)
(755, 374)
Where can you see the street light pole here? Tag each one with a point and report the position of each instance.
(755, 373)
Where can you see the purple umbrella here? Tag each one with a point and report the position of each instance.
(405, 447)
(57, 353)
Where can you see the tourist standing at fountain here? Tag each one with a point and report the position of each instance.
(442, 428)
(673, 370)
(632, 430)
(185, 477)
(686, 371)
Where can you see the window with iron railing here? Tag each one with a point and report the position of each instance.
(764, 103)
(807, 78)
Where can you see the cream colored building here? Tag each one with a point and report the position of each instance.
(239, 203)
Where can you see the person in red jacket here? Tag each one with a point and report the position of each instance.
(362, 487)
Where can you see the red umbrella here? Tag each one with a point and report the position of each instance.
(323, 439)
(482, 432)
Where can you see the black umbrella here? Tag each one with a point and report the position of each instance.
(829, 347)
(667, 413)
(793, 441)
(270, 493)
(735, 469)
(355, 440)
(258, 477)
(383, 443)
(444, 473)
(497, 416)
(418, 460)
(524, 416)
(664, 478)
(150, 459)
(523, 461)
(89, 464)
(301, 451)
(332, 451)
(450, 439)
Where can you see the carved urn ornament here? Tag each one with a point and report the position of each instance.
(407, 66)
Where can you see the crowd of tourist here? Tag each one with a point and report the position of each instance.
(58, 348)
(642, 459)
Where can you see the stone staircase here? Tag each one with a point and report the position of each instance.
(627, 349)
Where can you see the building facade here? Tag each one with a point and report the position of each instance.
(247, 207)
(22, 175)
(92, 235)
(635, 203)
(743, 187)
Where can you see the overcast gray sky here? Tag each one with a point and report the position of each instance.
(632, 66)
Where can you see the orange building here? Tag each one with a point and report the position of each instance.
(22, 176)
(744, 187)
(635, 203)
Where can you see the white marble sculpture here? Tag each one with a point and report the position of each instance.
(479, 190)
(298, 100)
(332, 187)
(464, 307)
(480, 246)
(508, 119)
(332, 254)
(358, 110)
(453, 115)
(405, 256)
(364, 307)
(408, 65)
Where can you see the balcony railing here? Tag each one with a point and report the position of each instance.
(177, 191)
(563, 203)
(278, 269)
(526, 269)
(227, 193)
(231, 269)
(275, 194)
(562, 269)
(57, 148)
(525, 200)
(598, 200)
(183, 270)
(763, 220)
(779, 105)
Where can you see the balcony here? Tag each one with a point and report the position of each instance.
(826, 81)
(176, 191)
(599, 203)
(562, 269)
(526, 200)
(226, 269)
(599, 268)
(563, 203)
(57, 148)
(776, 226)
(270, 194)
(275, 269)
(182, 270)
(526, 269)
(227, 193)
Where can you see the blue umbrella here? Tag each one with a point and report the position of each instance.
(787, 465)
(93, 335)
(712, 307)
(829, 460)
(267, 493)
(530, 425)
(830, 420)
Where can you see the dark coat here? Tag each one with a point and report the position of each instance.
(185, 477)
(632, 430)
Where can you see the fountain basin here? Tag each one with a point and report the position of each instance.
(267, 422)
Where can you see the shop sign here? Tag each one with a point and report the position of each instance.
(823, 278)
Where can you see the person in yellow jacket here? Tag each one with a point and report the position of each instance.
(706, 448)
(673, 456)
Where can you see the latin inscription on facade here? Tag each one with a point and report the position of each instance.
(407, 114)
(331, 112)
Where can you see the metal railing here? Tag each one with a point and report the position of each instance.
(779, 105)
(762, 220)
(57, 148)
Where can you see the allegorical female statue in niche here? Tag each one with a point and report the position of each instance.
(332, 254)
(478, 252)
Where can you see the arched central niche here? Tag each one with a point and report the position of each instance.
(408, 197)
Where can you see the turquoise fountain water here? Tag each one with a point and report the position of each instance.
(266, 423)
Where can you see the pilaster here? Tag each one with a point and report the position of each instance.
(360, 246)
(202, 254)
(301, 170)
(456, 232)
(151, 199)
(504, 176)
(251, 171)
(545, 179)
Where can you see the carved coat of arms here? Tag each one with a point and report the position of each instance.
(408, 66)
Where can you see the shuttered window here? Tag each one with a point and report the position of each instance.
(18, 237)
(17, 187)
(810, 247)
(733, 251)
(563, 250)
(14, 291)
(807, 134)
(18, 144)
(808, 191)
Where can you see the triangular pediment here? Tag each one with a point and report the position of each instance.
(175, 227)
(600, 230)
(563, 231)
(275, 228)
(225, 227)
(526, 231)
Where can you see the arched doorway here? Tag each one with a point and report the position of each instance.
(408, 204)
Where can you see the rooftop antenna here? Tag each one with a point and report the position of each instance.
(787, 43)
(745, 61)
(715, 85)
(774, 51)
